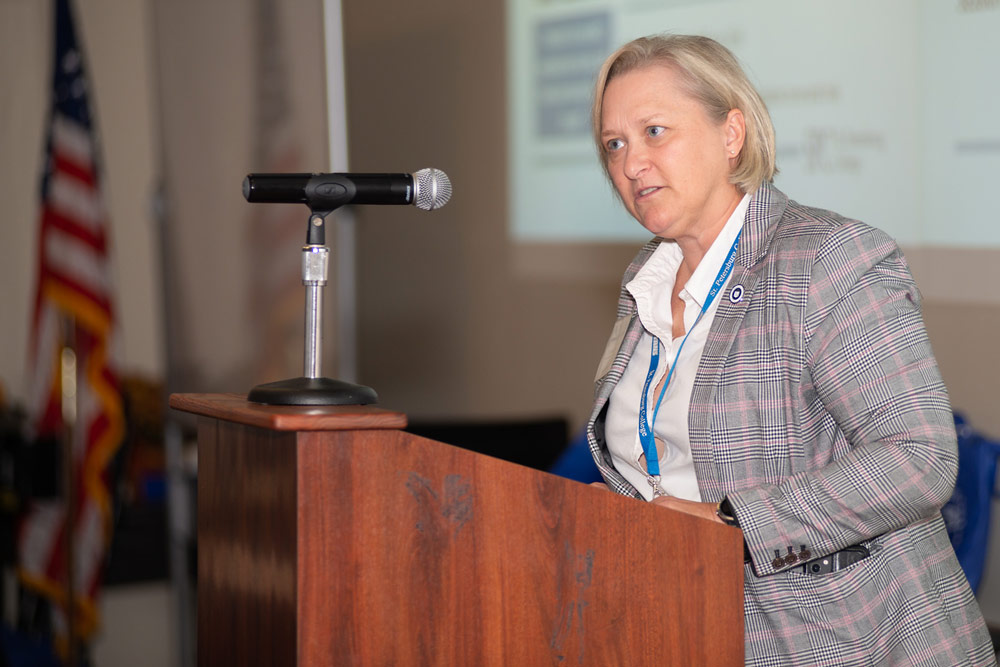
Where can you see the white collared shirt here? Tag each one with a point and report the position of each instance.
(651, 288)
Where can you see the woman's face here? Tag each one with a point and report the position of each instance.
(668, 160)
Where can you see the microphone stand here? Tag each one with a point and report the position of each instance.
(311, 388)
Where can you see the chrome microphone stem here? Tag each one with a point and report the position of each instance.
(315, 264)
(312, 388)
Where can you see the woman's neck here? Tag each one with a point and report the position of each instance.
(694, 246)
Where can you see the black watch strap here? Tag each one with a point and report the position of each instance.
(726, 513)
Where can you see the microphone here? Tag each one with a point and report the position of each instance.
(427, 189)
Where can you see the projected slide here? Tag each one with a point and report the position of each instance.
(881, 108)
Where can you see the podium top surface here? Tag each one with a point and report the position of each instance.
(236, 408)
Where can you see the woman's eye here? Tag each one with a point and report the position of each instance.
(615, 144)
(655, 130)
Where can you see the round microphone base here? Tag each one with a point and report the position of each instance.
(312, 391)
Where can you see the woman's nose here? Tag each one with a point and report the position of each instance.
(636, 161)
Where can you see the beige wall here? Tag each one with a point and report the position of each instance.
(207, 77)
(962, 314)
(451, 322)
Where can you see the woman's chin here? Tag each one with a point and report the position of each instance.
(657, 228)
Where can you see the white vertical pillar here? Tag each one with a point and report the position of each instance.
(344, 241)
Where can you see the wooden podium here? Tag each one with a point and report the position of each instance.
(328, 536)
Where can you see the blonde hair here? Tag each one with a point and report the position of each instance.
(713, 76)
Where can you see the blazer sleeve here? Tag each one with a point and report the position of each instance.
(872, 376)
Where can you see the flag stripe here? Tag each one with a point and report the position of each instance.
(71, 142)
(38, 535)
(64, 165)
(43, 360)
(52, 220)
(72, 299)
(75, 200)
(77, 259)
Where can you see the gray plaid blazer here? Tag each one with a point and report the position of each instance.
(818, 409)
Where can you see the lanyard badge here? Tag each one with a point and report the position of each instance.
(645, 425)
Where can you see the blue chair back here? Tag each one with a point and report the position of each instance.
(967, 513)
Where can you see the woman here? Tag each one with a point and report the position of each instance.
(770, 362)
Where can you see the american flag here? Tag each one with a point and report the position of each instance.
(73, 311)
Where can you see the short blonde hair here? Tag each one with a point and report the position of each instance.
(714, 77)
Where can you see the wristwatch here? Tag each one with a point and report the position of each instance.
(725, 512)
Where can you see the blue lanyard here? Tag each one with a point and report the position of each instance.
(645, 427)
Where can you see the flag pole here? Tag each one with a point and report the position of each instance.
(69, 404)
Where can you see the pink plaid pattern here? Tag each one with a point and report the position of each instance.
(819, 411)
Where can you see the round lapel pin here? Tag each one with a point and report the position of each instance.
(736, 294)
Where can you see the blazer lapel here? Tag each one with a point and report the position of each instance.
(624, 337)
(766, 208)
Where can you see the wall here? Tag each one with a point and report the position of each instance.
(451, 321)
(962, 313)
(208, 78)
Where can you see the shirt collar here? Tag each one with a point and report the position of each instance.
(653, 282)
(700, 282)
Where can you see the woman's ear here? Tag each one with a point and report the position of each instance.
(736, 130)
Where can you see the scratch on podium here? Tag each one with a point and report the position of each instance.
(570, 625)
(452, 506)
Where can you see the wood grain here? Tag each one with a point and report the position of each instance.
(439, 556)
(246, 545)
(377, 547)
(236, 408)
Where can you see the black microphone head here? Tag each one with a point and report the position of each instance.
(431, 189)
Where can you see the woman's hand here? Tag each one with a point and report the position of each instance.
(704, 510)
